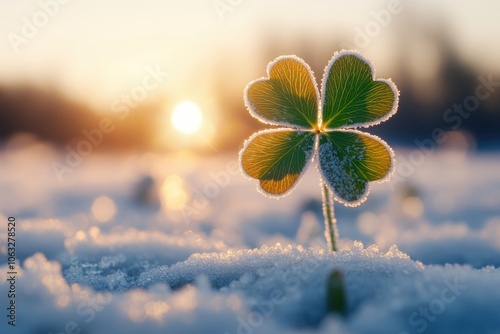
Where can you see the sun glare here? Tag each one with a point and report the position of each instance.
(187, 117)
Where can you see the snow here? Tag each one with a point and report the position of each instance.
(242, 263)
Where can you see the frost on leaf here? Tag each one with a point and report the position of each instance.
(348, 160)
(277, 158)
(288, 96)
(351, 97)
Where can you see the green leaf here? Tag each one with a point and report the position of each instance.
(277, 158)
(351, 96)
(336, 299)
(349, 159)
(288, 96)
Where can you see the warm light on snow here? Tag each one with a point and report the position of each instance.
(187, 117)
(201, 258)
(173, 193)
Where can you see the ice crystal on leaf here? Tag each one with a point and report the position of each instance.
(319, 124)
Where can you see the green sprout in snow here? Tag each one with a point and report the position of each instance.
(320, 127)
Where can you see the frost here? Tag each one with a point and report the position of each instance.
(307, 149)
(214, 291)
(395, 252)
(349, 188)
(391, 84)
(142, 272)
(279, 122)
(338, 172)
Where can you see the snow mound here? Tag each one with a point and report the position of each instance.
(262, 290)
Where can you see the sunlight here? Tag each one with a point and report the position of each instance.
(187, 117)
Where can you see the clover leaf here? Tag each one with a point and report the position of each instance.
(320, 125)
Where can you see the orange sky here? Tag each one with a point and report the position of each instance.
(98, 49)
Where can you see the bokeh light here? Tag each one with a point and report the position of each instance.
(173, 193)
(413, 207)
(103, 209)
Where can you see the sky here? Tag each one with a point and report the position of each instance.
(96, 52)
(96, 49)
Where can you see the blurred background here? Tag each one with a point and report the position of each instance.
(120, 126)
(111, 108)
(121, 122)
(66, 66)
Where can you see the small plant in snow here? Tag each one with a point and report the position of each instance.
(321, 127)
(336, 299)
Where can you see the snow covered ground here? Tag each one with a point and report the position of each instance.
(185, 244)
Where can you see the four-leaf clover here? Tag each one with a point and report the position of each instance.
(321, 127)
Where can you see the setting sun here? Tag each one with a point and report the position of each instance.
(187, 117)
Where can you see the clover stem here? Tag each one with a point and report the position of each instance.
(330, 221)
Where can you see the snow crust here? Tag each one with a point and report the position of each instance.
(236, 266)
